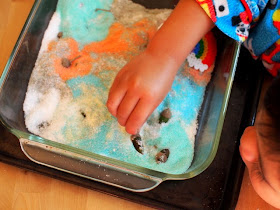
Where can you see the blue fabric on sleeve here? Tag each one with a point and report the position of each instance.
(254, 22)
(234, 17)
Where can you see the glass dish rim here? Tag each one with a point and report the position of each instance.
(164, 176)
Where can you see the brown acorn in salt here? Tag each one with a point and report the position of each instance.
(137, 143)
(165, 115)
(60, 35)
(65, 62)
(162, 156)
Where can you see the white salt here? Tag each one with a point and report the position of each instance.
(51, 32)
(42, 112)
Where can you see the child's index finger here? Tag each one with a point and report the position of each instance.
(115, 97)
(126, 107)
(139, 116)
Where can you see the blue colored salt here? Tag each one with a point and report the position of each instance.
(81, 20)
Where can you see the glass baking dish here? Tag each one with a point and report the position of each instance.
(13, 86)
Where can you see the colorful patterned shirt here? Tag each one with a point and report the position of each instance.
(254, 22)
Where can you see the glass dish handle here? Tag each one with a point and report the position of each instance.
(87, 167)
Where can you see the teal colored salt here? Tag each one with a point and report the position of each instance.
(185, 97)
(87, 80)
(184, 100)
(81, 21)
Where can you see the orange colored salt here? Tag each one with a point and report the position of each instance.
(79, 67)
(123, 40)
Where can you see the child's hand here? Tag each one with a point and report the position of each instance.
(139, 88)
(262, 158)
(143, 83)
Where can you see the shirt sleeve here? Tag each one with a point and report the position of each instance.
(254, 22)
(234, 17)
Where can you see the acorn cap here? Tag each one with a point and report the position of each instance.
(166, 113)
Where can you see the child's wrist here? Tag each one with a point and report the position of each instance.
(163, 58)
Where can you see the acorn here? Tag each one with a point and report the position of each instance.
(165, 115)
(137, 143)
(60, 35)
(162, 156)
(65, 62)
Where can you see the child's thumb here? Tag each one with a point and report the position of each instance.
(248, 145)
(250, 153)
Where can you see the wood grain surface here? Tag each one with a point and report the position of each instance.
(21, 189)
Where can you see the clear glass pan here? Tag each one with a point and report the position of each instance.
(13, 86)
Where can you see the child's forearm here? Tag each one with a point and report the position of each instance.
(187, 24)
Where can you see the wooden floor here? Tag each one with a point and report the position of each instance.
(21, 189)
